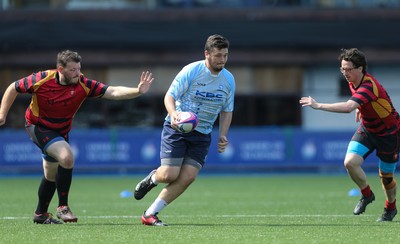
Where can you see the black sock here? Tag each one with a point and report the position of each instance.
(45, 194)
(63, 179)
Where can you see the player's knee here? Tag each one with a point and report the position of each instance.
(167, 176)
(189, 176)
(349, 164)
(67, 161)
(388, 183)
(387, 180)
(386, 172)
(346, 164)
(190, 179)
(61, 152)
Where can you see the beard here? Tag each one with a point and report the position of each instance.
(217, 68)
(214, 65)
(71, 81)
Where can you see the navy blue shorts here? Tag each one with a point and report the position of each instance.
(175, 144)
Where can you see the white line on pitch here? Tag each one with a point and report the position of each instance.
(209, 216)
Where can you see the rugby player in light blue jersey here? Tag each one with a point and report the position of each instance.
(207, 89)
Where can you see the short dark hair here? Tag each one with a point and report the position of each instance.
(67, 56)
(355, 56)
(216, 41)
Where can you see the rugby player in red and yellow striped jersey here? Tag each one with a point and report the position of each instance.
(56, 96)
(378, 130)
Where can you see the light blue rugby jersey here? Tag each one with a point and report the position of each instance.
(196, 90)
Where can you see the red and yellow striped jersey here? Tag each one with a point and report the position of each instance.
(53, 105)
(377, 112)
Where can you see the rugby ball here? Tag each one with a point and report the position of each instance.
(187, 122)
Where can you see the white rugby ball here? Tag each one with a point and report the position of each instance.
(187, 122)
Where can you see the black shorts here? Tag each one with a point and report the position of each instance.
(387, 147)
(43, 138)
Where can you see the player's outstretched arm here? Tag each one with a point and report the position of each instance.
(123, 92)
(8, 99)
(340, 107)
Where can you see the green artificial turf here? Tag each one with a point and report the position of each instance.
(215, 209)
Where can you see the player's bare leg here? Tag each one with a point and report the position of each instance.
(187, 176)
(179, 179)
(353, 164)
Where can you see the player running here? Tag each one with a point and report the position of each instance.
(56, 97)
(206, 88)
(379, 130)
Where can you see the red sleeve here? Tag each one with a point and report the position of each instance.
(96, 89)
(25, 85)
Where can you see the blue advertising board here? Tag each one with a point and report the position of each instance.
(250, 148)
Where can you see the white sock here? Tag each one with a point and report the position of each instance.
(156, 207)
(153, 179)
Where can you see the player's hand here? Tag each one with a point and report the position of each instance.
(146, 79)
(308, 101)
(174, 119)
(222, 144)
